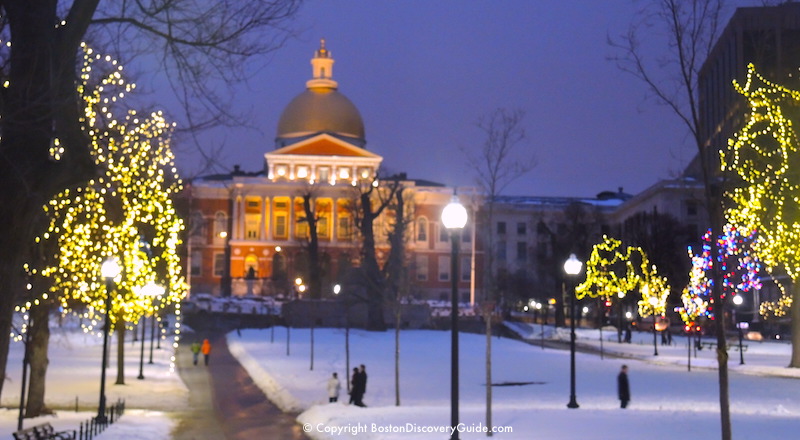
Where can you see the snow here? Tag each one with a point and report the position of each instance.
(668, 401)
(73, 378)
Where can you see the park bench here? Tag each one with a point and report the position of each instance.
(43, 431)
(731, 346)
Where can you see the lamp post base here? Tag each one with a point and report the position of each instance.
(573, 404)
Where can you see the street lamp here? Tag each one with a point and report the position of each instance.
(151, 290)
(572, 267)
(454, 218)
(653, 303)
(737, 301)
(109, 270)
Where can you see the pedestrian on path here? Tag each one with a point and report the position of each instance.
(195, 351)
(334, 386)
(623, 388)
(354, 387)
(206, 349)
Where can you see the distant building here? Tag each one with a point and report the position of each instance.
(253, 222)
(768, 37)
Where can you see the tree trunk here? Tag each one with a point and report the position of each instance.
(487, 317)
(37, 354)
(371, 270)
(397, 354)
(314, 266)
(795, 315)
(120, 352)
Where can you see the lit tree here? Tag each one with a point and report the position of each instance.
(199, 49)
(764, 154)
(611, 273)
(125, 213)
(738, 265)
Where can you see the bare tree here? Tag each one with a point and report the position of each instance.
(371, 199)
(198, 44)
(396, 272)
(496, 164)
(692, 27)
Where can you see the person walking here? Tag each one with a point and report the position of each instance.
(362, 385)
(206, 350)
(623, 388)
(195, 351)
(354, 386)
(334, 386)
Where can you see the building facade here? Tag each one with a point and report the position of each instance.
(249, 230)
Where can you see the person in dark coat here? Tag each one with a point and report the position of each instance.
(354, 387)
(623, 388)
(363, 373)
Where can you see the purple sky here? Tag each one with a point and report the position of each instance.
(422, 72)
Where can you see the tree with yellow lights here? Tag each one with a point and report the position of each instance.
(764, 155)
(612, 272)
(126, 212)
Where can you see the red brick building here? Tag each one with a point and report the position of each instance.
(247, 229)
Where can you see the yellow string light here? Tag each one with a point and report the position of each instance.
(764, 155)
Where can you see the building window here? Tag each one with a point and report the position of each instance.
(444, 268)
(252, 218)
(422, 229)
(281, 213)
(522, 228)
(466, 234)
(500, 251)
(324, 174)
(345, 231)
(219, 264)
(466, 268)
(280, 225)
(522, 251)
(444, 236)
(501, 227)
(691, 208)
(422, 267)
(220, 224)
(302, 172)
(197, 263)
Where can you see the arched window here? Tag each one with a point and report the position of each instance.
(422, 229)
(220, 224)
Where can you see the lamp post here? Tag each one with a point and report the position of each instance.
(109, 270)
(572, 267)
(653, 303)
(737, 301)
(454, 218)
(151, 290)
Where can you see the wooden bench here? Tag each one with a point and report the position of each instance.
(731, 346)
(44, 431)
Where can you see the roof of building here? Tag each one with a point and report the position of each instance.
(321, 108)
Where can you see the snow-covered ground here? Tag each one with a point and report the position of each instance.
(667, 400)
(74, 378)
(529, 397)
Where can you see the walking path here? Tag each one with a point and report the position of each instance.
(224, 402)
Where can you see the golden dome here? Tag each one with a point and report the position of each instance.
(321, 108)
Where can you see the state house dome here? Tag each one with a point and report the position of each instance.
(321, 108)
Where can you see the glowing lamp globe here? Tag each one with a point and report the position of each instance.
(454, 215)
(110, 268)
(152, 289)
(738, 300)
(573, 265)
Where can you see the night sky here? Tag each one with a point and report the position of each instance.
(422, 73)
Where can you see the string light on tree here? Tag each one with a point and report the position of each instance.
(126, 207)
(764, 155)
